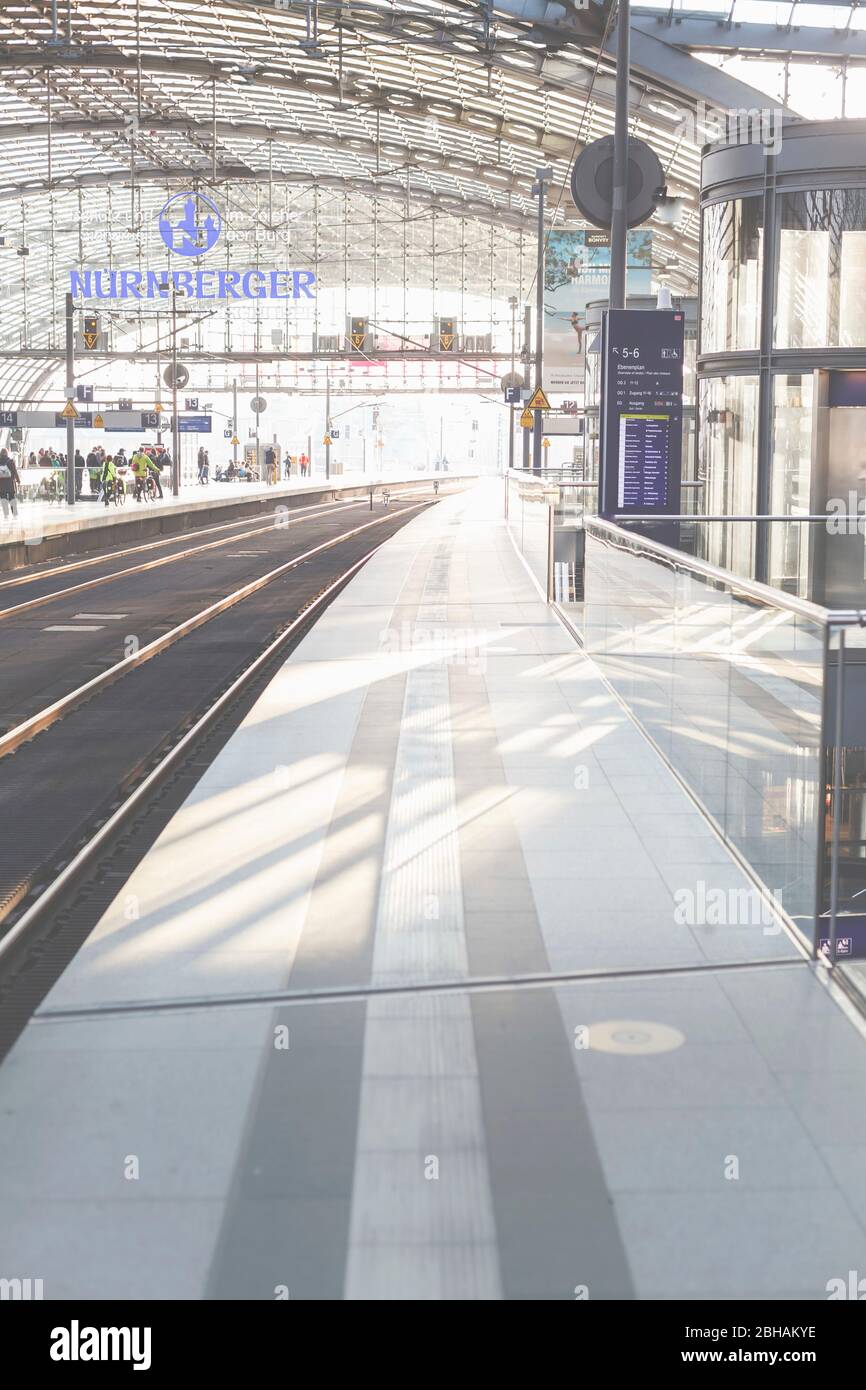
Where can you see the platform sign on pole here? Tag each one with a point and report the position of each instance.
(641, 412)
(8, 419)
(90, 335)
(447, 334)
(538, 400)
(527, 419)
(359, 329)
(82, 421)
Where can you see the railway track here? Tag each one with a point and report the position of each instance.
(149, 589)
(87, 784)
(51, 595)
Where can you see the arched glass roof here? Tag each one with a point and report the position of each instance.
(426, 116)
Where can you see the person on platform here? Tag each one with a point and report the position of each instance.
(9, 481)
(155, 465)
(108, 479)
(140, 469)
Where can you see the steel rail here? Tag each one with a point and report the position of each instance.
(96, 845)
(20, 579)
(265, 524)
(48, 716)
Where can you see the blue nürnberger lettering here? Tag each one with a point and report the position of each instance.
(195, 284)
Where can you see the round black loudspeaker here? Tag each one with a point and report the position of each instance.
(168, 376)
(592, 182)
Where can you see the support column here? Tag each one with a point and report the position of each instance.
(70, 392)
(542, 177)
(527, 334)
(618, 226)
(764, 452)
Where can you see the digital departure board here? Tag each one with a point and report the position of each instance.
(642, 396)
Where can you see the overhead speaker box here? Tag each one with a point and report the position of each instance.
(592, 182)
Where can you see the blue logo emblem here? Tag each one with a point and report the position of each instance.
(190, 224)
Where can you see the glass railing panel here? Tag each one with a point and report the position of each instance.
(530, 498)
(727, 679)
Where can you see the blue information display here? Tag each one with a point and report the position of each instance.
(847, 388)
(642, 395)
(194, 424)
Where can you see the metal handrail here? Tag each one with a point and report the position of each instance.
(774, 598)
(701, 516)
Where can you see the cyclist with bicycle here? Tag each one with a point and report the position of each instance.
(141, 471)
(154, 481)
(108, 479)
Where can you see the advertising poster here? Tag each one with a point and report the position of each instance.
(576, 272)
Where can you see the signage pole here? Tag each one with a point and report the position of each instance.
(70, 391)
(327, 422)
(175, 423)
(618, 226)
(256, 413)
(158, 388)
(527, 334)
(541, 177)
(512, 304)
(235, 434)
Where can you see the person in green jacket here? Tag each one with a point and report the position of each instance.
(108, 479)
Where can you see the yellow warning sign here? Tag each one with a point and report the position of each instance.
(545, 443)
(527, 419)
(357, 341)
(327, 439)
(538, 400)
(158, 407)
(446, 341)
(98, 422)
(235, 440)
(90, 340)
(69, 412)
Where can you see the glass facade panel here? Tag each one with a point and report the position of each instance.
(728, 444)
(822, 269)
(733, 249)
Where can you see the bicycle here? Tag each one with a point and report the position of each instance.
(115, 492)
